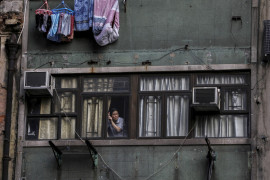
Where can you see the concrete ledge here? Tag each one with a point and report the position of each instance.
(141, 142)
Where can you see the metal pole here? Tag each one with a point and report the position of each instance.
(11, 47)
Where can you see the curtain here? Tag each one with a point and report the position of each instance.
(221, 126)
(92, 117)
(150, 116)
(221, 79)
(173, 83)
(177, 115)
(68, 128)
(68, 83)
(47, 128)
(235, 99)
(67, 102)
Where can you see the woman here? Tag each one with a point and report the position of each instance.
(115, 124)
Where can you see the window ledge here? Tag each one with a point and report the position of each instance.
(141, 142)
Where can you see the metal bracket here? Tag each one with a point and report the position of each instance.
(93, 153)
(57, 154)
(211, 156)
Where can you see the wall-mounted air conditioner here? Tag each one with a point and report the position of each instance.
(206, 99)
(37, 83)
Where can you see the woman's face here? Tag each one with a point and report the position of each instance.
(115, 115)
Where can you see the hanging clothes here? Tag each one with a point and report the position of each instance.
(83, 14)
(52, 34)
(106, 21)
(43, 20)
(62, 24)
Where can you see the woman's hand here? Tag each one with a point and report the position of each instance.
(109, 117)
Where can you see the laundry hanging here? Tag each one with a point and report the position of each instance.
(106, 21)
(83, 14)
(43, 17)
(62, 24)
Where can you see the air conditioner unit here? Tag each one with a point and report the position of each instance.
(206, 99)
(37, 83)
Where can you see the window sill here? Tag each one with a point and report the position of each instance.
(141, 142)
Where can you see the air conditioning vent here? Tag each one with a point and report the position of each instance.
(205, 99)
(37, 83)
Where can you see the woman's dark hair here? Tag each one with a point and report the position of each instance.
(112, 110)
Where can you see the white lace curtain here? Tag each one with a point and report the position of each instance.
(221, 126)
(150, 106)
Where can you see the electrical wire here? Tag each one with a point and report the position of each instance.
(174, 154)
(83, 141)
(108, 166)
(25, 6)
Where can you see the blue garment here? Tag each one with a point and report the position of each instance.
(52, 34)
(112, 132)
(83, 14)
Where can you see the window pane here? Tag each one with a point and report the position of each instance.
(68, 128)
(39, 105)
(221, 126)
(65, 102)
(48, 128)
(118, 107)
(112, 84)
(69, 82)
(235, 99)
(221, 79)
(92, 117)
(42, 128)
(149, 116)
(171, 83)
(177, 115)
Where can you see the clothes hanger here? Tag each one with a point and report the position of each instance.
(42, 10)
(64, 9)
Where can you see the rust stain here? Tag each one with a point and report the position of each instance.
(2, 118)
(146, 68)
(92, 70)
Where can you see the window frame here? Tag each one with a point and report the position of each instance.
(134, 95)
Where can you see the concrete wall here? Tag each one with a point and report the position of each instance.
(156, 31)
(138, 163)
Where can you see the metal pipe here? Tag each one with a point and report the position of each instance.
(11, 47)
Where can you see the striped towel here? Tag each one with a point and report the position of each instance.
(106, 21)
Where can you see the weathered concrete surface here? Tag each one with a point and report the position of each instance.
(157, 31)
(138, 162)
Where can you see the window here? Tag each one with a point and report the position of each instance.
(140, 105)
(232, 120)
(101, 95)
(156, 93)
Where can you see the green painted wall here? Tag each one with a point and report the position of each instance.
(155, 30)
(138, 163)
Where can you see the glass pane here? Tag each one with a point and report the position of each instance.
(69, 82)
(177, 115)
(149, 116)
(235, 99)
(221, 126)
(117, 120)
(48, 128)
(68, 128)
(111, 84)
(221, 79)
(39, 105)
(65, 102)
(172, 83)
(92, 117)
(32, 128)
